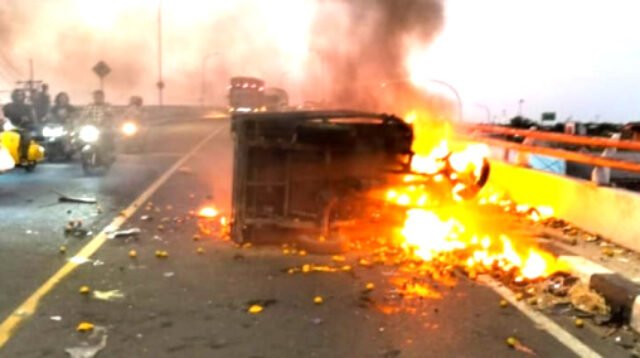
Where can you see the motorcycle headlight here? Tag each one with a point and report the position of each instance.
(89, 134)
(7, 126)
(53, 131)
(129, 128)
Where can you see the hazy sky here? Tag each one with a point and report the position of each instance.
(580, 58)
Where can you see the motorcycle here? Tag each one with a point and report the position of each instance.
(97, 149)
(131, 138)
(58, 141)
(10, 140)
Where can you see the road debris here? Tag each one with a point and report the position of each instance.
(96, 342)
(74, 228)
(504, 303)
(62, 249)
(318, 300)
(200, 250)
(169, 274)
(579, 322)
(79, 260)
(587, 300)
(196, 237)
(111, 295)
(120, 234)
(84, 290)
(185, 170)
(62, 198)
(133, 254)
(369, 286)
(56, 318)
(515, 343)
(309, 268)
(146, 218)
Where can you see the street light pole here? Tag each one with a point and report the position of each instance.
(486, 109)
(160, 83)
(203, 88)
(440, 82)
(456, 93)
(520, 103)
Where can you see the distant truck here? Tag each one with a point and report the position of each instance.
(276, 99)
(246, 94)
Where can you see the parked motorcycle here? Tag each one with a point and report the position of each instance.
(97, 150)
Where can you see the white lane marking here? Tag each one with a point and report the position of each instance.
(27, 308)
(581, 267)
(564, 337)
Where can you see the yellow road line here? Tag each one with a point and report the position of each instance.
(29, 306)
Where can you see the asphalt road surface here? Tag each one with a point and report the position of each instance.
(194, 303)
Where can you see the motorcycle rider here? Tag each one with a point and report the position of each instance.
(99, 112)
(134, 109)
(41, 102)
(23, 117)
(100, 115)
(62, 111)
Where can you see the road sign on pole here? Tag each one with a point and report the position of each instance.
(101, 69)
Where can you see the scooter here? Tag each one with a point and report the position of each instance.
(97, 149)
(10, 140)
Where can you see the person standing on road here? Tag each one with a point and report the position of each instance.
(23, 118)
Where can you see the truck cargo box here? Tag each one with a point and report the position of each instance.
(291, 168)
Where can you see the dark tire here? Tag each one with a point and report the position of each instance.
(30, 167)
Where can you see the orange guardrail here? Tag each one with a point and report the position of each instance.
(479, 132)
(554, 137)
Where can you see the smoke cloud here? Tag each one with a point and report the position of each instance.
(331, 50)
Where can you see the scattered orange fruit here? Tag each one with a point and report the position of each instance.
(162, 254)
(84, 327)
(318, 300)
(255, 309)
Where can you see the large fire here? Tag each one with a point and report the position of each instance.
(435, 230)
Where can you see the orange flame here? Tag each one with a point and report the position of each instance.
(208, 212)
(429, 235)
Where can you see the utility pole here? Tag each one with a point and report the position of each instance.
(160, 83)
(30, 84)
(520, 103)
(30, 75)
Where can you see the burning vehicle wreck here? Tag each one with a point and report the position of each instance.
(316, 178)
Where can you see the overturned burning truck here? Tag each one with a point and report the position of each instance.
(314, 178)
